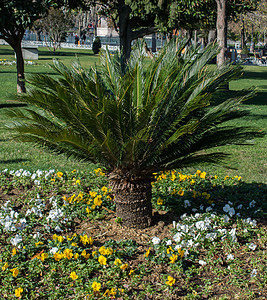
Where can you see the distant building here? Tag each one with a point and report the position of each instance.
(103, 30)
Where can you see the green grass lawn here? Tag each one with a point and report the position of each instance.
(246, 161)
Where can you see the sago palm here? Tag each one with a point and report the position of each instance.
(135, 119)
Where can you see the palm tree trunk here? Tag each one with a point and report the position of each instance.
(133, 195)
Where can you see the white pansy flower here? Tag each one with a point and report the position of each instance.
(58, 229)
(16, 240)
(228, 209)
(230, 257)
(226, 218)
(202, 262)
(186, 203)
(211, 236)
(36, 235)
(53, 250)
(183, 216)
(253, 273)
(252, 203)
(155, 240)
(168, 243)
(252, 246)
(177, 237)
(200, 225)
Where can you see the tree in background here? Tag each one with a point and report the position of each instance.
(251, 22)
(15, 17)
(56, 24)
(132, 19)
(18, 15)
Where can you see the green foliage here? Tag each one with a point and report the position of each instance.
(202, 14)
(96, 45)
(148, 117)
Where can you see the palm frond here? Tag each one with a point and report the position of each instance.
(148, 115)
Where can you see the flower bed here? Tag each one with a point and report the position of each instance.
(60, 238)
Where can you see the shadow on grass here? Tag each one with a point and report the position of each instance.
(6, 51)
(13, 161)
(261, 75)
(248, 199)
(258, 99)
(73, 53)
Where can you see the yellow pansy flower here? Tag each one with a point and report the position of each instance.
(43, 256)
(169, 250)
(124, 266)
(173, 258)
(174, 191)
(60, 238)
(181, 252)
(170, 281)
(202, 175)
(73, 275)
(85, 255)
(98, 201)
(15, 272)
(147, 252)
(86, 240)
(67, 253)
(58, 256)
(117, 262)
(14, 251)
(131, 272)
(18, 292)
(92, 194)
(38, 243)
(159, 201)
(96, 286)
(198, 172)
(59, 174)
(102, 260)
(181, 192)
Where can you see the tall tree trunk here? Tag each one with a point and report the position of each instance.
(221, 30)
(133, 198)
(242, 32)
(125, 30)
(222, 35)
(154, 43)
(211, 36)
(16, 45)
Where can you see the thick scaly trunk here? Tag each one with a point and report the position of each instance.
(133, 194)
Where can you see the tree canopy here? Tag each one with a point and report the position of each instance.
(18, 15)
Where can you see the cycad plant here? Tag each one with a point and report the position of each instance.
(135, 118)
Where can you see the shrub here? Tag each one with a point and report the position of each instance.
(96, 45)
